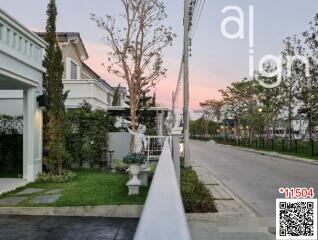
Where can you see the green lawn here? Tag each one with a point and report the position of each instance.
(89, 188)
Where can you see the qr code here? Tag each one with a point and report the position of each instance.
(296, 219)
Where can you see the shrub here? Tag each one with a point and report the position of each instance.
(120, 166)
(196, 197)
(135, 158)
(152, 171)
(88, 134)
(65, 177)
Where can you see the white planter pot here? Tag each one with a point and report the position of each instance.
(134, 170)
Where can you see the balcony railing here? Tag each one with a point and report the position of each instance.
(154, 147)
(163, 216)
(18, 42)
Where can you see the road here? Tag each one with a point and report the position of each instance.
(254, 178)
(56, 228)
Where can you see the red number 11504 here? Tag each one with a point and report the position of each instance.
(297, 192)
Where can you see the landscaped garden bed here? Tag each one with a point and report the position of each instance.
(196, 197)
(89, 188)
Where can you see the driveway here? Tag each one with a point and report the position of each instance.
(254, 178)
(65, 228)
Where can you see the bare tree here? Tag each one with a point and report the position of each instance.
(137, 42)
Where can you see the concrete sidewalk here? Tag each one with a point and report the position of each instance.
(9, 184)
(234, 220)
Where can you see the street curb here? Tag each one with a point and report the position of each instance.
(249, 210)
(272, 154)
(112, 211)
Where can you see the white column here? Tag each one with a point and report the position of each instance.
(31, 135)
(176, 134)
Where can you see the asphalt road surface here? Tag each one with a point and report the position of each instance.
(254, 178)
(58, 228)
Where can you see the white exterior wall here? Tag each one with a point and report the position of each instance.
(21, 74)
(119, 142)
(11, 102)
(89, 90)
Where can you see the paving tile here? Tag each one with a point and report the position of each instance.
(219, 193)
(45, 199)
(11, 201)
(54, 191)
(228, 206)
(30, 191)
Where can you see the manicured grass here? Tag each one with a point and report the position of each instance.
(89, 188)
(196, 197)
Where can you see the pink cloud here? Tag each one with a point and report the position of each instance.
(203, 84)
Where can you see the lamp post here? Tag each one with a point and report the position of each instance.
(222, 127)
(248, 133)
(260, 110)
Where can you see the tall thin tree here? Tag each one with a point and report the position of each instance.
(137, 45)
(54, 120)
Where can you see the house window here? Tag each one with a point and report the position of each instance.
(109, 99)
(1, 31)
(73, 70)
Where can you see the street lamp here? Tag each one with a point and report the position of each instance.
(222, 127)
(260, 110)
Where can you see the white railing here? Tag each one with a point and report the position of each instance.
(163, 216)
(154, 147)
(19, 42)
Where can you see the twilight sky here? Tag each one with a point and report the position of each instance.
(216, 61)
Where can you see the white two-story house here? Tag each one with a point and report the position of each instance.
(79, 79)
(81, 82)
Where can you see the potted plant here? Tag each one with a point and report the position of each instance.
(134, 160)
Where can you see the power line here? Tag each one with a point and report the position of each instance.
(196, 10)
(198, 19)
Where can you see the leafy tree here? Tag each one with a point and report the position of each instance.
(89, 131)
(137, 45)
(240, 103)
(116, 98)
(154, 100)
(270, 100)
(308, 92)
(54, 123)
(290, 82)
(145, 116)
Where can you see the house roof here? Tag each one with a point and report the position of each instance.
(91, 71)
(66, 36)
(105, 83)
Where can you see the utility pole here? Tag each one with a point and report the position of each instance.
(186, 21)
(173, 115)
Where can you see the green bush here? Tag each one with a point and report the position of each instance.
(88, 134)
(152, 171)
(120, 166)
(66, 176)
(135, 158)
(196, 197)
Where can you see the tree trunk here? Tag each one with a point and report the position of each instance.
(59, 167)
(310, 124)
(133, 114)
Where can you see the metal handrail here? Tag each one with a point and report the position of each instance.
(163, 216)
